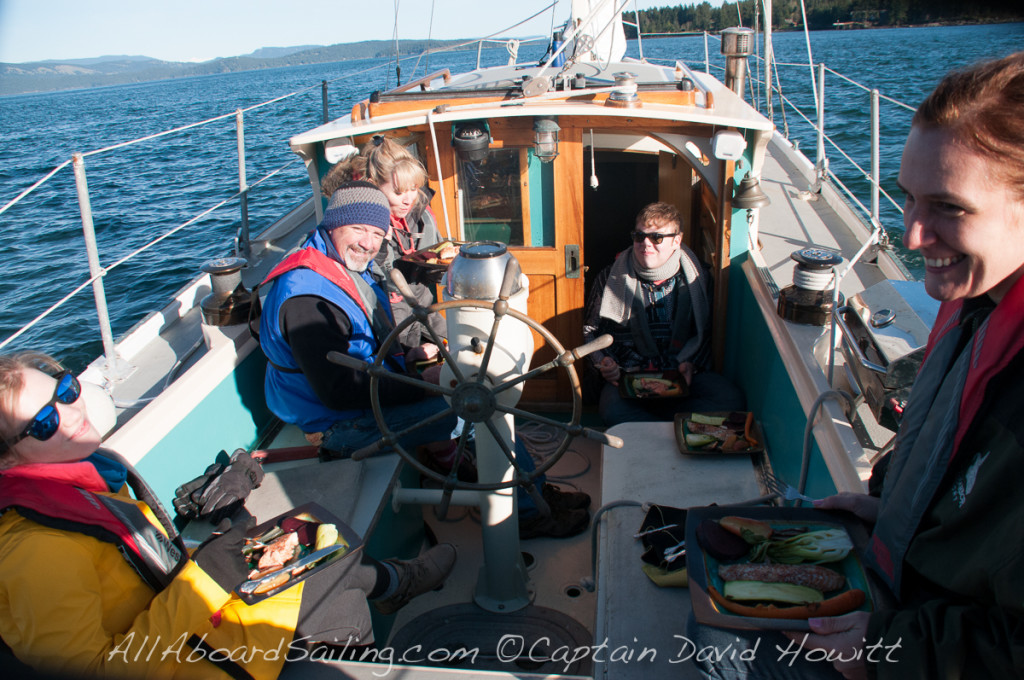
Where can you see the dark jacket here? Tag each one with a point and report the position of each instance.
(961, 591)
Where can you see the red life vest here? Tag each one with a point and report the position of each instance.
(67, 507)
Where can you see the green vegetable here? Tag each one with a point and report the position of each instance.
(717, 421)
(697, 441)
(771, 592)
(815, 547)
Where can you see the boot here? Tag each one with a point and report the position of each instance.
(561, 523)
(418, 576)
(568, 500)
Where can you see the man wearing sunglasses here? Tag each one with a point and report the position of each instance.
(655, 302)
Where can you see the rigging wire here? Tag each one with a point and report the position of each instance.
(757, 47)
(398, 62)
(485, 38)
(810, 57)
(430, 33)
(551, 31)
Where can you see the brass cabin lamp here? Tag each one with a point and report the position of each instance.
(545, 138)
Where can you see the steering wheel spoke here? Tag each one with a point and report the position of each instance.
(472, 398)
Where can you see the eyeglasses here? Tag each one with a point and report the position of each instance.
(45, 423)
(655, 236)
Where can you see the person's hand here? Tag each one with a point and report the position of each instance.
(424, 352)
(228, 490)
(609, 370)
(862, 505)
(220, 556)
(686, 370)
(186, 497)
(432, 374)
(844, 635)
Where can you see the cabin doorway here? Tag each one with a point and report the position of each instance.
(626, 183)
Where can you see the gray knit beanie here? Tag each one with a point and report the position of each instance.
(357, 202)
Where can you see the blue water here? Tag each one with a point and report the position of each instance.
(142, 191)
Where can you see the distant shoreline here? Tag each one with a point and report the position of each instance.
(85, 74)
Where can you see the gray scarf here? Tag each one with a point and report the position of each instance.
(379, 320)
(622, 302)
(662, 273)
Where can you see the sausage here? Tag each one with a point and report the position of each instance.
(834, 606)
(716, 431)
(810, 575)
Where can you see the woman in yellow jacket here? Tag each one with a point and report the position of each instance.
(94, 581)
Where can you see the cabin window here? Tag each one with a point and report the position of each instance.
(508, 196)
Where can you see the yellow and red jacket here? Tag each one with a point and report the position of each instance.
(72, 603)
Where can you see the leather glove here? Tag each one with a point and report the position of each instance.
(227, 491)
(220, 556)
(187, 495)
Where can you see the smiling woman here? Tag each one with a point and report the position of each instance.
(46, 422)
(963, 173)
(950, 490)
(87, 569)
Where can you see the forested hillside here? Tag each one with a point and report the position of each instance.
(825, 14)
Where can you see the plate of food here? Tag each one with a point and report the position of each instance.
(652, 385)
(439, 255)
(429, 264)
(717, 433)
(772, 568)
(292, 547)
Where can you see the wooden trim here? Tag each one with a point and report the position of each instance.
(721, 269)
(424, 82)
(385, 108)
(449, 186)
(524, 195)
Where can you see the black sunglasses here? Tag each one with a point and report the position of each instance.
(45, 423)
(656, 237)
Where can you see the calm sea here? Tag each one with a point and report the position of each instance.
(142, 191)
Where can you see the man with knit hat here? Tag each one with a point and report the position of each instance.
(655, 302)
(329, 296)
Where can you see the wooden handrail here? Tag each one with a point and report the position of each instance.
(423, 82)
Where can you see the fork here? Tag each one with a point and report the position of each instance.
(787, 492)
(791, 494)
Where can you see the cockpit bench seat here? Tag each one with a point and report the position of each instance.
(632, 612)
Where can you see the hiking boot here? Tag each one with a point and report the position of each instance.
(418, 576)
(567, 500)
(561, 523)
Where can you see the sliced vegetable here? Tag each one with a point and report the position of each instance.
(833, 606)
(699, 441)
(326, 535)
(752, 531)
(815, 547)
(748, 429)
(719, 543)
(703, 419)
(760, 591)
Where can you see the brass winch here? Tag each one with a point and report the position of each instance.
(229, 301)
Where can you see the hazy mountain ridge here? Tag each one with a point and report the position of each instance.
(67, 74)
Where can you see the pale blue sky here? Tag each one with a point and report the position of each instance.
(199, 30)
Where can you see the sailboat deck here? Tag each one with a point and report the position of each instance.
(625, 611)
